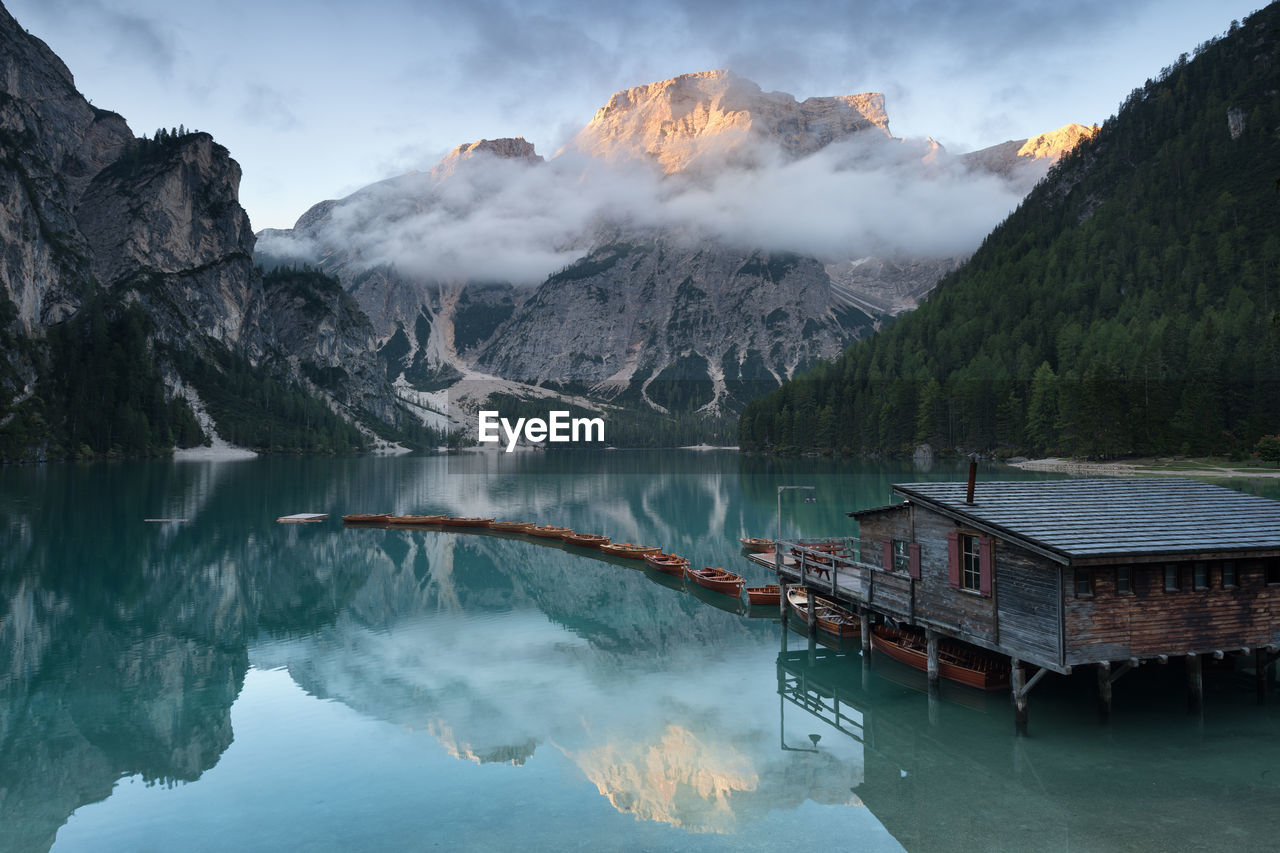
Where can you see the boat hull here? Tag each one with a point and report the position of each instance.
(767, 594)
(415, 520)
(726, 583)
(756, 546)
(831, 617)
(993, 677)
(633, 552)
(585, 540)
(668, 564)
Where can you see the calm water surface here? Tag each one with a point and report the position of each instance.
(226, 682)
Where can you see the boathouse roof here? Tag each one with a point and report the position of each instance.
(1111, 519)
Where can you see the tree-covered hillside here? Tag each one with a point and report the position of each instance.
(1131, 304)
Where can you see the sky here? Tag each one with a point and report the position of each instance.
(318, 99)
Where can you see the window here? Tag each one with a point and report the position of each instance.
(1124, 580)
(1228, 574)
(1200, 574)
(970, 562)
(1084, 583)
(1171, 578)
(901, 561)
(1273, 569)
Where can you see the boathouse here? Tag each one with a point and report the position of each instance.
(1065, 573)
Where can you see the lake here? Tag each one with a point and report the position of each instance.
(220, 681)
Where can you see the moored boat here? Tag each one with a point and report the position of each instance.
(626, 549)
(756, 546)
(466, 521)
(512, 526)
(767, 594)
(584, 540)
(367, 518)
(668, 564)
(956, 661)
(716, 580)
(415, 519)
(831, 617)
(548, 531)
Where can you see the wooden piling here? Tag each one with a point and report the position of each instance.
(1104, 691)
(866, 632)
(1195, 684)
(1260, 665)
(931, 646)
(1018, 683)
(813, 622)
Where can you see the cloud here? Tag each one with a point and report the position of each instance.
(265, 106)
(132, 38)
(520, 221)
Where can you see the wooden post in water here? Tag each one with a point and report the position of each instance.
(931, 647)
(865, 627)
(782, 600)
(1260, 665)
(1104, 691)
(1195, 684)
(808, 603)
(1018, 683)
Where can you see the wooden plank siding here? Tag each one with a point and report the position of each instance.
(1020, 616)
(1109, 626)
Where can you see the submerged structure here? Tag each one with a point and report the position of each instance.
(1109, 573)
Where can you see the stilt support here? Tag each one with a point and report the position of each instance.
(1104, 691)
(866, 632)
(813, 622)
(931, 645)
(1018, 684)
(1195, 684)
(1262, 659)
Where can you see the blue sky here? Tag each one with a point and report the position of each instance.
(317, 99)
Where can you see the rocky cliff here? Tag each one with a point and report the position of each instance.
(712, 118)
(92, 214)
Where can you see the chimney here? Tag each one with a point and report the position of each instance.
(973, 478)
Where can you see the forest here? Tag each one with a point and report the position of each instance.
(1130, 305)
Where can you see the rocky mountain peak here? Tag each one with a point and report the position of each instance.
(505, 149)
(1041, 151)
(679, 121)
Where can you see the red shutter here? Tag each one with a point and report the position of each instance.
(913, 565)
(888, 555)
(953, 558)
(986, 564)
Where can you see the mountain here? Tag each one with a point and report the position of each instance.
(642, 253)
(715, 117)
(1127, 307)
(129, 296)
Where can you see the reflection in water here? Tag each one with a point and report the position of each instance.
(125, 647)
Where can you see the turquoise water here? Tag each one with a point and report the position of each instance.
(226, 682)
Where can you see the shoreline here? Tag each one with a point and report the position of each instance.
(1198, 469)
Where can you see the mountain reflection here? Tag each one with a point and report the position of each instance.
(125, 642)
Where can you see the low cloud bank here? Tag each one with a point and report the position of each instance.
(494, 219)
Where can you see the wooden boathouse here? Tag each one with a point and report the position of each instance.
(1108, 573)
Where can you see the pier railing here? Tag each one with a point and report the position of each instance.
(836, 565)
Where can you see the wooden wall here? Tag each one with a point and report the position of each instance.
(1110, 626)
(1019, 618)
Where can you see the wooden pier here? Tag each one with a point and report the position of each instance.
(1055, 575)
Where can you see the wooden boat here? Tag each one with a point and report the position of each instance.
(756, 546)
(367, 518)
(831, 617)
(584, 540)
(716, 580)
(668, 564)
(512, 526)
(767, 594)
(547, 531)
(956, 661)
(415, 519)
(626, 549)
(466, 521)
